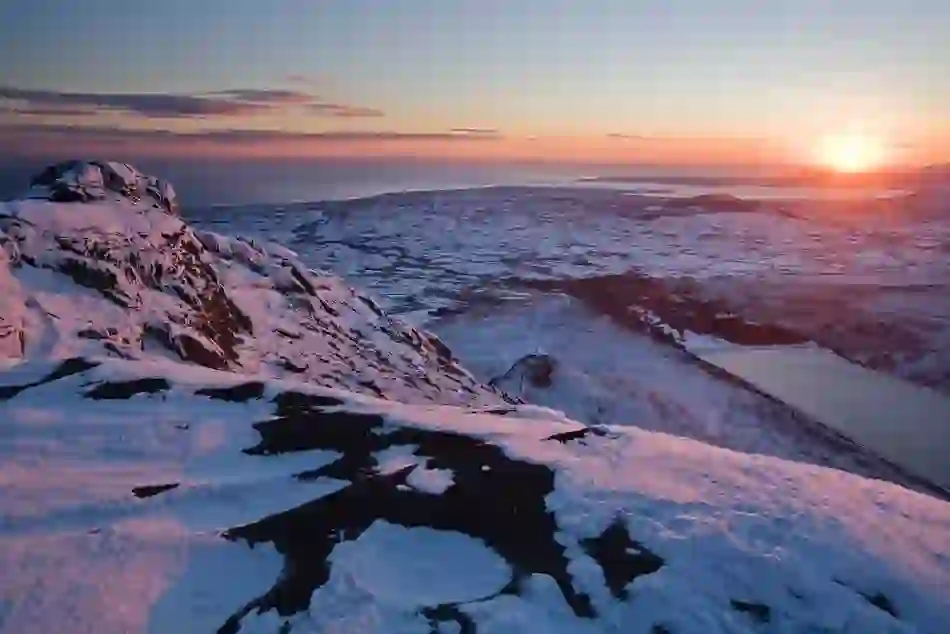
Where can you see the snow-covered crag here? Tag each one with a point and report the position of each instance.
(198, 434)
(122, 275)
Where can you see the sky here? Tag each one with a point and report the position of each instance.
(677, 81)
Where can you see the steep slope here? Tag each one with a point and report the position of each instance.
(120, 274)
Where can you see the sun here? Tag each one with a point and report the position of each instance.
(851, 153)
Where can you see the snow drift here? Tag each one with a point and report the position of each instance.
(200, 434)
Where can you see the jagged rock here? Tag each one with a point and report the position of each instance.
(537, 370)
(12, 326)
(150, 286)
(82, 181)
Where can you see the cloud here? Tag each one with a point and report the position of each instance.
(627, 137)
(342, 111)
(26, 137)
(478, 131)
(265, 96)
(47, 111)
(225, 103)
(158, 105)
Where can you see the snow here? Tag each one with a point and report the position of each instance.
(605, 374)
(416, 567)
(435, 481)
(806, 541)
(138, 491)
(866, 273)
(110, 278)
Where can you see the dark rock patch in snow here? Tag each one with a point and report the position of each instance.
(150, 490)
(120, 390)
(758, 612)
(68, 367)
(621, 558)
(535, 369)
(236, 394)
(881, 602)
(494, 498)
(579, 434)
(448, 613)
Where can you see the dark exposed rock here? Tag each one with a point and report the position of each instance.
(291, 366)
(92, 333)
(880, 601)
(127, 389)
(448, 614)
(578, 434)
(537, 370)
(235, 394)
(69, 367)
(301, 279)
(149, 490)
(621, 558)
(194, 350)
(98, 278)
(372, 387)
(759, 612)
(667, 309)
(373, 306)
(494, 498)
(713, 203)
(187, 347)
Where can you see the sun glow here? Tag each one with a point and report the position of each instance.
(851, 153)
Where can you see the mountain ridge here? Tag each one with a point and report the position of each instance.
(200, 434)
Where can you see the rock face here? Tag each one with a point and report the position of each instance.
(532, 370)
(83, 181)
(108, 274)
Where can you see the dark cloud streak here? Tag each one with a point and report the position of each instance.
(343, 111)
(478, 131)
(264, 96)
(21, 133)
(226, 103)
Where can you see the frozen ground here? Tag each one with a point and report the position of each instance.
(616, 285)
(867, 278)
(210, 506)
(206, 434)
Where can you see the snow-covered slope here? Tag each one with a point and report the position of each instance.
(118, 276)
(141, 497)
(164, 470)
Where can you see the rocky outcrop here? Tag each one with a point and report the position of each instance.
(109, 274)
(532, 370)
(84, 181)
